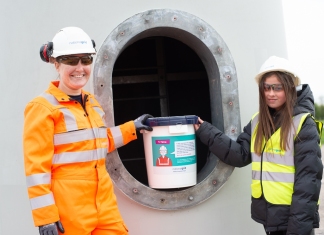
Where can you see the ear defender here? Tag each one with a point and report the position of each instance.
(93, 44)
(46, 51)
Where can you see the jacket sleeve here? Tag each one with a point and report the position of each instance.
(307, 185)
(235, 153)
(118, 136)
(38, 153)
(121, 135)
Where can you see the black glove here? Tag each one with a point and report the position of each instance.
(139, 123)
(51, 229)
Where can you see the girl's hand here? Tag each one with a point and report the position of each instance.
(200, 121)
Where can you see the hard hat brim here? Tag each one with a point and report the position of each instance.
(72, 52)
(296, 79)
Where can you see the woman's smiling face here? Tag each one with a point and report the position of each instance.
(73, 78)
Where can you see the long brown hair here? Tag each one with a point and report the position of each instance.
(267, 126)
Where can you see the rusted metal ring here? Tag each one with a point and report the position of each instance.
(207, 44)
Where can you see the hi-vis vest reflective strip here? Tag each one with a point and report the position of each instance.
(72, 136)
(273, 173)
(319, 126)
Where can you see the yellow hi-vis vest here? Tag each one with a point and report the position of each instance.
(273, 173)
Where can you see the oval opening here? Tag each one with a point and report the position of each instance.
(163, 77)
(215, 67)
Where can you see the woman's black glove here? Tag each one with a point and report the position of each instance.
(140, 123)
(51, 228)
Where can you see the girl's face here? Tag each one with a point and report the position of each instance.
(73, 78)
(274, 93)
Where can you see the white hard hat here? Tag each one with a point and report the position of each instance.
(275, 63)
(72, 40)
(163, 148)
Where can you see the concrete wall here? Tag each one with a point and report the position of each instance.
(253, 31)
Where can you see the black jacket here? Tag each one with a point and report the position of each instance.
(302, 215)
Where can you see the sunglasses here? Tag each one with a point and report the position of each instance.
(74, 60)
(274, 87)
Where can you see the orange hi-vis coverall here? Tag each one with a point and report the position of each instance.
(65, 145)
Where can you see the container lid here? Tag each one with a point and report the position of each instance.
(173, 120)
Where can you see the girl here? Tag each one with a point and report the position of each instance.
(282, 144)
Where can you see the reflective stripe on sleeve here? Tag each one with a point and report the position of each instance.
(117, 135)
(84, 156)
(37, 179)
(42, 201)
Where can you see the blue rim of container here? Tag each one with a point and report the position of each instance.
(172, 120)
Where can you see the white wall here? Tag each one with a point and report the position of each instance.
(253, 31)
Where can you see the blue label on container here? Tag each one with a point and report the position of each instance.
(174, 150)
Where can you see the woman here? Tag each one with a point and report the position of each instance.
(282, 143)
(65, 145)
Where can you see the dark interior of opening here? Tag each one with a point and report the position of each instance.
(163, 77)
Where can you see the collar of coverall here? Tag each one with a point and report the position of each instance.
(60, 95)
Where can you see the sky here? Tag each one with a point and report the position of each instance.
(304, 24)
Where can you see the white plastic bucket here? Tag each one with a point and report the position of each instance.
(170, 152)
